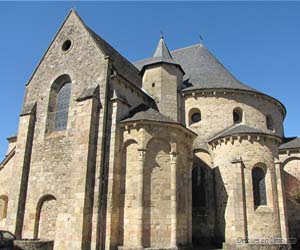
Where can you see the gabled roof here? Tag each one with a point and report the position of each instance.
(203, 70)
(290, 143)
(161, 55)
(121, 64)
(145, 113)
(239, 129)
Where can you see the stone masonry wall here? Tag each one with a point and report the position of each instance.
(236, 214)
(58, 162)
(291, 170)
(216, 113)
(162, 82)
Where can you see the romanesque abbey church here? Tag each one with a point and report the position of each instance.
(169, 152)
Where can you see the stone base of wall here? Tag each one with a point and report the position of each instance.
(228, 246)
(33, 245)
(156, 248)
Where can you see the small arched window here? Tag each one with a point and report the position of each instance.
(62, 107)
(237, 115)
(194, 116)
(270, 124)
(259, 186)
(3, 206)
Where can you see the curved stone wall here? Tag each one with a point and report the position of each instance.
(237, 215)
(217, 113)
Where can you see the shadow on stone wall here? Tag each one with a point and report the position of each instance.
(203, 201)
(221, 204)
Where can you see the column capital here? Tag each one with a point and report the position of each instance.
(142, 154)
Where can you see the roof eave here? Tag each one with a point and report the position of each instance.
(124, 123)
(245, 134)
(161, 62)
(187, 90)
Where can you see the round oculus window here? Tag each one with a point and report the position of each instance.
(66, 45)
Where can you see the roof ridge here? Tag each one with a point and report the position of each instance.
(191, 46)
(111, 47)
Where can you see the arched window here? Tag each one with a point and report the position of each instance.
(259, 186)
(58, 107)
(270, 124)
(194, 116)
(237, 115)
(3, 206)
(62, 107)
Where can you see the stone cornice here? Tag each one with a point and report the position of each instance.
(241, 137)
(232, 92)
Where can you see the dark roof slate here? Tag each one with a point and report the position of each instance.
(122, 65)
(290, 144)
(162, 51)
(161, 55)
(239, 129)
(202, 69)
(143, 112)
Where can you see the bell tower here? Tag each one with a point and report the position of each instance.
(162, 77)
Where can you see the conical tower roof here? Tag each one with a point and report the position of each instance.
(161, 55)
(204, 71)
(162, 51)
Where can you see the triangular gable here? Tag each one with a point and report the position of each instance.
(123, 66)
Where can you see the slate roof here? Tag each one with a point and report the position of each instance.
(161, 55)
(143, 112)
(290, 143)
(237, 130)
(122, 65)
(203, 70)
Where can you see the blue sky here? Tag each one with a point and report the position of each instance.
(259, 42)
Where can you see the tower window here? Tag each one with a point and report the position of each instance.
(270, 124)
(194, 116)
(66, 45)
(237, 115)
(259, 186)
(153, 84)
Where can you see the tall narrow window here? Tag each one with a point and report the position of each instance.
(237, 115)
(259, 186)
(62, 107)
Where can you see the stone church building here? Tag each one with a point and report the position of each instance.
(165, 153)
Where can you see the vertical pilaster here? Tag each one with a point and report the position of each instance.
(241, 227)
(22, 167)
(140, 197)
(173, 156)
(189, 203)
(281, 199)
